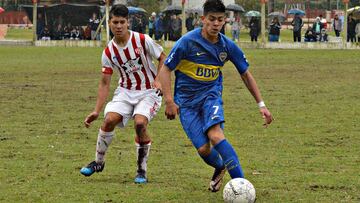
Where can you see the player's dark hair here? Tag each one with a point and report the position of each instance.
(119, 10)
(214, 6)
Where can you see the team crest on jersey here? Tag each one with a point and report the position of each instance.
(132, 65)
(223, 56)
(139, 50)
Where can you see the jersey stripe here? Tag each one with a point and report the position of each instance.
(142, 41)
(135, 74)
(117, 55)
(140, 54)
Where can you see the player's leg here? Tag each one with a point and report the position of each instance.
(227, 152)
(192, 123)
(143, 143)
(117, 113)
(105, 136)
(213, 123)
(144, 111)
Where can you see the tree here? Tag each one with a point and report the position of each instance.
(249, 5)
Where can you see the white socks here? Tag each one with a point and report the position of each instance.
(103, 142)
(142, 151)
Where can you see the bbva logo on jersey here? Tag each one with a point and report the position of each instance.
(207, 73)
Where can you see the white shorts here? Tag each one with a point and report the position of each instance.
(127, 103)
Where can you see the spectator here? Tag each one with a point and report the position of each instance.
(167, 27)
(171, 31)
(337, 25)
(323, 21)
(357, 31)
(317, 27)
(66, 33)
(58, 33)
(87, 32)
(137, 24)
(197, 21)
(76, 33)
(144, 24)
(323, 37)
(189, 22)
(351, 29)
(274, 32)
(45, 35)
(297, 24)
(94, 24)
(310, 36)
(159, 27)
(254, 26)
(40, 26)
(176, 27)
(235, 28)
(151, 24)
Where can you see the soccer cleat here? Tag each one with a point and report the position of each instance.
(216, 180)
(92, 168)
(140, 179)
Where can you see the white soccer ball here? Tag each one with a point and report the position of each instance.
(239, 190)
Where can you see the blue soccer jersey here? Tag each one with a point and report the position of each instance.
(198, 63)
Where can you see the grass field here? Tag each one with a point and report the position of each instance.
(309, 154)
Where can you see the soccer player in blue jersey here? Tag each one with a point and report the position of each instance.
(197, 59)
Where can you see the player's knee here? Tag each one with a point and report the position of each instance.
(109, 124)
(204, 150)
(140, 128)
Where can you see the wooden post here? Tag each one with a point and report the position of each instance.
(183, 27)
(345, 22)
(107, 21)
(263, 2)
(34, 20)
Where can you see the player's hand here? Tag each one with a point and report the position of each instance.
(265, 113)
(90, 118)
(157, 85)
(171, 110)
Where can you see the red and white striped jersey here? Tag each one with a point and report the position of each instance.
(133, 62)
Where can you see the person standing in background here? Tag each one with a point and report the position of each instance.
(297, 24)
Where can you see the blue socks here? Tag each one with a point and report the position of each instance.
(213, 159)
(230, 159)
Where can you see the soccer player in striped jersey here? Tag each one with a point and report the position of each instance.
(130, 55)
(197, 59)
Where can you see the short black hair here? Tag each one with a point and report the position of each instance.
(215, 6)
(119, 10)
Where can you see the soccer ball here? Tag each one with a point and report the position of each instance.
(239, 190)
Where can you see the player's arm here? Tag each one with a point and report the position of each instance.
(156, 51)
(251, 85)
(103, 92)
(161, 60)
(165, 80)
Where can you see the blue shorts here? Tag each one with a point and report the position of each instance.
(197, 120)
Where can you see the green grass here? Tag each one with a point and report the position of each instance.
(309, 154)
(19, 34)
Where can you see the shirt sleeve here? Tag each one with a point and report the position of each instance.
(152, 47)
(177, 53)
(107, 67)
(238, 58)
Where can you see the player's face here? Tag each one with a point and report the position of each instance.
(119, 26)
(213, 22)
